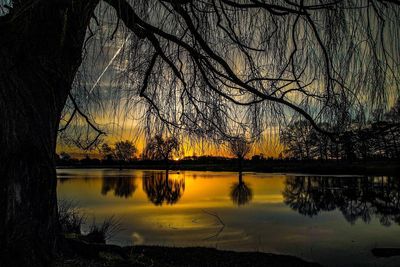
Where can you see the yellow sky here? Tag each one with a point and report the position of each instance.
(269, 146)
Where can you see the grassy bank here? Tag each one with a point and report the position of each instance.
(156, 256)
(89, 249)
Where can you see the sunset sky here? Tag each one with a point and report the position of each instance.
(110, 78)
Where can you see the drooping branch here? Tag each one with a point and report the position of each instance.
(68, 121)
(131, 20)
(212, 67)
(88, 121)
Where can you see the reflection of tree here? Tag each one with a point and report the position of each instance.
(356, 197)
(241, 193)
(123, 186)
(161, 189)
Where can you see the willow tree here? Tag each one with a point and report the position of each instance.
(203, 67)
(239, 147)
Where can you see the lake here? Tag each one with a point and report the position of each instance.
(332, 220)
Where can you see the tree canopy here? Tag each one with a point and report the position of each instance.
(122, 151)
(209, 68)
(239, 147)
(376, 139)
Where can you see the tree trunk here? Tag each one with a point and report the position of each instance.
(240, 165)
(28, 206)
(29, 118)
(40, 52)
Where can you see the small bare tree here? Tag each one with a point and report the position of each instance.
(240, 148)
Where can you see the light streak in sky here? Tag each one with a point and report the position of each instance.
(109, 63)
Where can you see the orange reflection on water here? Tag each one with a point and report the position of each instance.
(307, 216)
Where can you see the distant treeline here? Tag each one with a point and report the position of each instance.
(377, 139)
(64, 159)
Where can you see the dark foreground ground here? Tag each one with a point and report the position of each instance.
(155, 256)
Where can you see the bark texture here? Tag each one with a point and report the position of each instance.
(40, 52)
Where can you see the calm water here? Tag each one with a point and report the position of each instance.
(335, 221)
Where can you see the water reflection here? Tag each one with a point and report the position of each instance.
(241, 193)
(270, 218)
(160, 188)
(123, 186)
(356, 197)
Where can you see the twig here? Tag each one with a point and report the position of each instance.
(220, 222)
(99, 132)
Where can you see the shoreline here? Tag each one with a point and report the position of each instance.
(159, 256)
(386, 168)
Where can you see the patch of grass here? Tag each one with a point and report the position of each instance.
(70, 218)
(101, 233)
(71, 221)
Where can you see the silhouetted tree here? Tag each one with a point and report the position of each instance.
(297, 139)
(159, 148)
(194, 63)
(107, 152)
(375, 140)
(124, 150)
(259, 157)
(240, 148)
